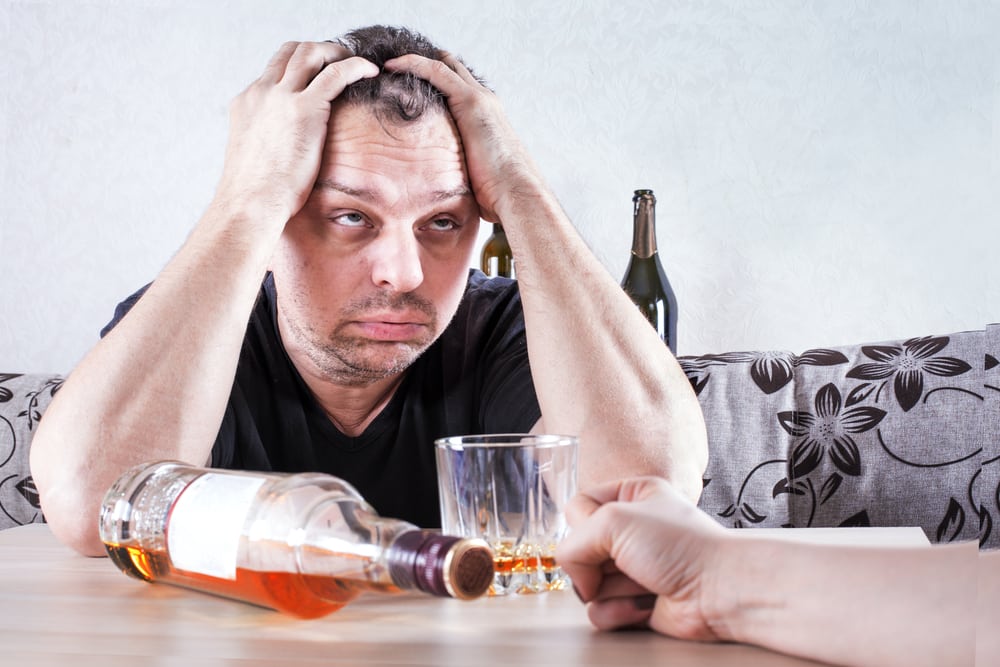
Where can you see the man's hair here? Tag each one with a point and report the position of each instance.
(394, 97)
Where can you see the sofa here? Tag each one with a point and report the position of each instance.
(896, 433)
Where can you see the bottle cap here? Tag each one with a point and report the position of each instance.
(442, 565)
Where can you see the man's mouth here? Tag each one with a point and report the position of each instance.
(391, 329)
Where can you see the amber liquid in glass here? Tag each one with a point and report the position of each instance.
(528, 568)
(302, 595)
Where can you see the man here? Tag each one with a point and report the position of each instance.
(354, 182)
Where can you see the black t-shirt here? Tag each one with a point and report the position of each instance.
(474, 379)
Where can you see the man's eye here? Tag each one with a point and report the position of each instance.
(349, 219)
(442, 225)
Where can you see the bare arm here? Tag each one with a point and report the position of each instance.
(156, 386)
(850, 605)
(599, 369)
(680, 573)
(988, 609)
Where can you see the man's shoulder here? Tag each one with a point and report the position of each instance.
(487, 305)
(483, 288)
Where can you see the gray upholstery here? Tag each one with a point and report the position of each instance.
(23, 398)
(902, 433)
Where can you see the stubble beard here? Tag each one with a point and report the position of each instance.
(356, 361)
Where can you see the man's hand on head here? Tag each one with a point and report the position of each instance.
(278, 127)
(497, 162)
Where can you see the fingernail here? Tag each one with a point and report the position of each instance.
(645, 602)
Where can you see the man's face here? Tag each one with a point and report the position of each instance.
(372, 269)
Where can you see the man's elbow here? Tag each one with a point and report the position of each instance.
(71, 515)
(688, 479)
(72, 524)
(82, 536)
(689, 460)
(679, 454)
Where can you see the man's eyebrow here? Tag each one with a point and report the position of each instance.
(326, 183)
(454, 193)
(370, 196)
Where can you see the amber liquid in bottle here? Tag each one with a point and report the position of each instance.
(302, 595)
(303, 544)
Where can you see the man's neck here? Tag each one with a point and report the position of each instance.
(352, 408)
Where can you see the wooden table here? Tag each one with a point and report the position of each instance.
(59, 608)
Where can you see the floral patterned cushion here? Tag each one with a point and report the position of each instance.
(23, 398)
(902, 433)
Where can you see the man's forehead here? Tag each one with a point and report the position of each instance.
(357, 120)
(363, 156)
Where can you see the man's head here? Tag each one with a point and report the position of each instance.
(373, 267)
(393, 96)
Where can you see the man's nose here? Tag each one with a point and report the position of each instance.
(395, 260)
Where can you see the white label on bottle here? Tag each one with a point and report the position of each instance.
(206, 522)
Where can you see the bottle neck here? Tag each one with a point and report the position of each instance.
(350, 541)
(441, 565)
(644, 225)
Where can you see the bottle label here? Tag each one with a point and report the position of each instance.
(206, 522)
(493, 269)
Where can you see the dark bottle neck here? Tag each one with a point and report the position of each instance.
(441, 565)
(644, 224)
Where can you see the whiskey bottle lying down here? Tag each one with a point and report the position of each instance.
(305, 544)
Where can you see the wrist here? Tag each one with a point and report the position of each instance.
(739, 585)
(248, 216)
(517, 190)
(248, 236)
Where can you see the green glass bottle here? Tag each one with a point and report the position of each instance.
(645, 281)
(496, 258)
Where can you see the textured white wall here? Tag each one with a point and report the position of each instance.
(826, 171)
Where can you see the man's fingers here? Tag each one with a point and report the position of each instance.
(588, 501)
(629, 490)
(459, 68)
(336, 76)
(585, 552)
(279, 61)
(622, 612)
(601, 517)
(619, 585)
(580, 507)
(438, 73)
(308, 59)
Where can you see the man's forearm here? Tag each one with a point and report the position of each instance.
(847, 605)
(600, 370)
(156, 386)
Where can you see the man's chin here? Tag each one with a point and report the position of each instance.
(382, 360)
